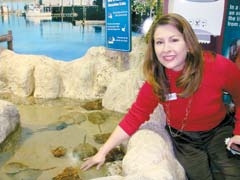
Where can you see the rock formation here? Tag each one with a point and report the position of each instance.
(101, 73)
(9, 119)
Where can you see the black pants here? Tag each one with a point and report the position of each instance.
(203, 154)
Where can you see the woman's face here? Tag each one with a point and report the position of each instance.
(170, 47)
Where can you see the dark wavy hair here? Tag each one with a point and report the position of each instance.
(154, 71)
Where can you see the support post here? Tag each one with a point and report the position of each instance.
(9, 39)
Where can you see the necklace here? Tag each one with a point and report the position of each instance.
(187, 111)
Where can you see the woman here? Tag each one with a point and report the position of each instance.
(189, 83)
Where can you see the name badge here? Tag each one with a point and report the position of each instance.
(171, 96)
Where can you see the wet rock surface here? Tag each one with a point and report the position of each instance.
(59, 151)
(93, 105)
(101, 138)
(84, 150)
(69, 173)
(116, 154)
(97, 117)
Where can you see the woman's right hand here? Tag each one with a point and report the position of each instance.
(98, 160)
(116, 138)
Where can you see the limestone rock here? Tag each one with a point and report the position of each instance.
(47, 81)
(9, 119)
(151, 158)
(17, 75)
(122, 91)
(86, 78)
(101, 74)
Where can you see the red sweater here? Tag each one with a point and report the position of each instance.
(207, 109)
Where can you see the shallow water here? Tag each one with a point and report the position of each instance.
(41, 132)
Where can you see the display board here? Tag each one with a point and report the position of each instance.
(231, 36)
(118, 25)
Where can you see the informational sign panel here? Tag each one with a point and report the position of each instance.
(231, 36)
(118, 25)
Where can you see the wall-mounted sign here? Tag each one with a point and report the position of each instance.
(118, 25)
(231, 36)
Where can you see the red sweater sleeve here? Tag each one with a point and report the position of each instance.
(141, 109)
(231, 80)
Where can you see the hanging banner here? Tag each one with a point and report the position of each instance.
(118, 25)
(231, 36)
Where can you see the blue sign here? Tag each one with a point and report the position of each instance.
(118, 25)
(231, 37)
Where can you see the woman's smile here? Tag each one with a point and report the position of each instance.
(168, 57)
